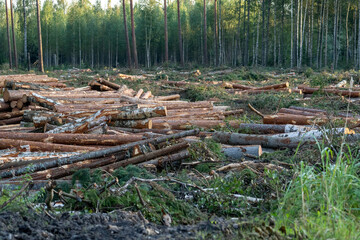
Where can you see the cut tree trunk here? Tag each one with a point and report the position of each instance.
(73, 139)
(51, 163)
(39, 146)
(294, 119)
(147, 156)
(272, 128)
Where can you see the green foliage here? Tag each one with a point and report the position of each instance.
(205, 92)
(324, 203)
(124, 174)
(309, 72)
(273, 101)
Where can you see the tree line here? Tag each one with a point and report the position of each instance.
(277, 33)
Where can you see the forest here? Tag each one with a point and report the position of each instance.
(275, 33)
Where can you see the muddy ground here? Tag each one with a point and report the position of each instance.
(114, 225)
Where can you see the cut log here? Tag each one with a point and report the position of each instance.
(138, 124)
(11, 115)
(167, 98)
(286, 140)
(146, 95)
(26, 86)
(4, 106)
(147, 156)
(141, 113)
(345, 93)
(73, 139)
(272, 128)
(294, 119)
(14, 120)
(39, 146)
(139, 93)
(109, 84)
(42, 101)
(183, 124)
(275, 86)
(51, 163)
(13, 95)
(164, 160)
(240, 152)
(67, 170)
(300, 112)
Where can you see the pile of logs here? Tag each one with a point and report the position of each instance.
(50, 131)
(57, 130)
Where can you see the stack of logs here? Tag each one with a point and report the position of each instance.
(108, 126)
(58, 130)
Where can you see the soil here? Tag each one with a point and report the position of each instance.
(114, 225)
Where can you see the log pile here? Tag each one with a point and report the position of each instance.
(104, 125)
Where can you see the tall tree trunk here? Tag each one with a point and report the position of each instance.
(128, 54)
(292, 35)
(302, 34)
(216, 61)
(133, 35)
(8, 35)
(257, 40)
(263, 34)
(347, 34)
(358, 50)
(275, 35)
(13, 34)
(179, 32)
(79, 44)
(25, 34)
(326, 32)
(205, 36)
(166, 33)
(41, 60)
(335, 35)
(220, 34)
(248, 33)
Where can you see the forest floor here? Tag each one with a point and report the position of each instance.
(315, 196)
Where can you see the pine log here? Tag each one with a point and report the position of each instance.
(17, 94)
(51, 163)
(42, 101)
(11, 115)
(11, 121)
(14, 95)
(39, 146)
(73, 139)
(167, 98)
(240, 152)
(242, 87)
(345, 93)
(146, 95)
(183, 124)
(286, 140)
(109, 84)
(26, 86)
(63, 108)
(164, 160)
(138, 114)
(67, 170)
(13, 104)
(275, 86)
(147, 156)
(294, 119)
(139, 124)
(139, 93)
(300, 112)
(272, 128)
(4, 106)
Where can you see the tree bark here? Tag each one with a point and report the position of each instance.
(51, 163)
(128, 53)
(205, 35)
(41, 61)
(73, 139)
(166, 33)
(216, 61)
(133, 36)
(13, 34)
(8, 35)
(180, 34)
